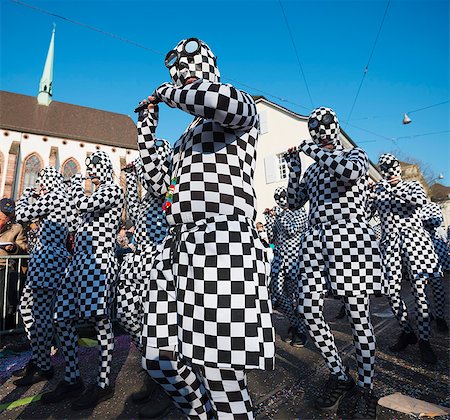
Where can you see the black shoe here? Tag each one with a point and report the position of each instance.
(299, 340)
(290, 335)
(366, 404)
(146, 392)
(441, 325)
(158, 408)
(341, 314)
(426, 352)
(92, 396)
(29, 368)
(403, 340)
(63, 391)
(35, 377)
(333, 392)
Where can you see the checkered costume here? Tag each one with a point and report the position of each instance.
(87, 291)
(339, 252)
(287, 233)
(405, 245)
(48, 260)
(150, 230)
(208, 298)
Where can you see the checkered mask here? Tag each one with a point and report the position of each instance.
(50, 179)
(280, 196)
(389, 166)
(192, 58)
(98, 165)
(324, 127)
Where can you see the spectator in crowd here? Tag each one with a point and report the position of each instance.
(125, 241)
(12, 242)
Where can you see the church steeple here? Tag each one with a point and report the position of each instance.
(45, 86)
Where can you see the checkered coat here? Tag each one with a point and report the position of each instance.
(403, 235)
(210, 296)
(49, 258)
(88, 287)
(432, 218)
(339, 242)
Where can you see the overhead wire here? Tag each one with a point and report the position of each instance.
(366, 69)
(430, 106)
(296, 53)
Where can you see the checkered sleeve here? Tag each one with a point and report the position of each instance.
(268, 225)
(347, 166)
(106, 197)
(132, 199)
(431, 215)
(156, 154)
(410, 192)
(26, 211)
(370, 204)
(218, 102)
(297, 194)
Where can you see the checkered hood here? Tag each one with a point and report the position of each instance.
(202, 65)
(322, 133)
(389, 166)
(103, 169)
(50, 179)
(280, 196)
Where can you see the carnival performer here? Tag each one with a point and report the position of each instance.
(46, 268)
(339, 252)
(288, 228)
(432, 219)
(150, 230)
(207, 319)
(87, 291)
(406, 247)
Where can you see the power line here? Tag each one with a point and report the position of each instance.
(421, 135)
(431, 106)
(296, 54)
(366, 69)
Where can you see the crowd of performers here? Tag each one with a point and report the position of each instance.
(196, 294)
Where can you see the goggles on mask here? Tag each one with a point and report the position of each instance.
(386, 166)
(190, 47)
(94, 160)
(326, 120)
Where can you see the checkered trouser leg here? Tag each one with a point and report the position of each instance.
(357, 308)
(36, 307)
(310, 305)
(423, 313)
(438, 296)
(282, 293)
(68, 338)
(398, 305)
(105, 338)
(130, 312)
(179, 382)
(228, 391)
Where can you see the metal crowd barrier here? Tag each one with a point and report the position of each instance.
(12, 280)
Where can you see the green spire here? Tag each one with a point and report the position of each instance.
(45, 86)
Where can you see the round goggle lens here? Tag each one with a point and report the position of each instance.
(313, 123)
(327, 119)
(171, 58)
(191, 46)
(92, 160)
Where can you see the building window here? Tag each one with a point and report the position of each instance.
(69, 168)
(282, 166)
(276, 168)
(31, 168)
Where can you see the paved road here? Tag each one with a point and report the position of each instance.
(285, 393)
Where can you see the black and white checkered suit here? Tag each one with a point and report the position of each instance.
(150, 230)
(48, 260)
(208, 295)
(87, 290)
(288, 229)
(405, 245)
(339, 251)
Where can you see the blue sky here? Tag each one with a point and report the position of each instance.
(408, 70)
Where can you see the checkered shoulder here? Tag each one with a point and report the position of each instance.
(221, 103)
(410, 192)
(431, 214)
(106, 197)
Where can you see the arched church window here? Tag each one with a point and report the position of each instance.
(31, 168)
(70, 168)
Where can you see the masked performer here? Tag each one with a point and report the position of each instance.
(406, 247)
(432, 219)
(150, 230)
(288, 228)
(86, 292)
(208, 315)
(46, 268)
(339, 252)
